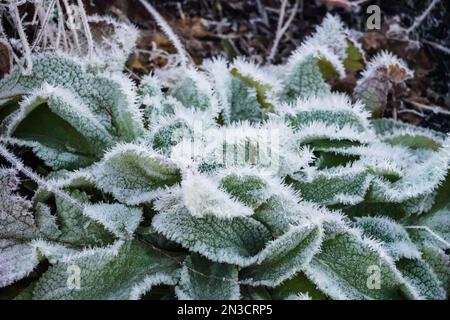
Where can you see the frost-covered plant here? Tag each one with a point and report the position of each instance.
(235, 181)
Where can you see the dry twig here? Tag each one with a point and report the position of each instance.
(282, 26)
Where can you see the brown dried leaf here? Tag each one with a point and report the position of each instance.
(5, 57)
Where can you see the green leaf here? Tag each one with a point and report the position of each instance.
(422, 278)
(120, 220)
(439, 262)
(355, 57)
(327, 69)
(202, 279)
(16, 218)
(250, 190)
(132, 173)
(60, 129)
(261, 89)
(298, 285)
(399, 133)
(234, 241)
(194, 91)
(111, 99)
(441, 200)
(125, 270)
(75, 226)
(347, 185)
(17, 260)
(59, 144)
(46, 222)
(348, 266)
(392, 236)
(413, 141)
(305, 71)
(289, 254)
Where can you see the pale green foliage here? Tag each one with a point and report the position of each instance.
(132, 173)
(226, 181)
(115, 272)
(197, 275)
(85, 112)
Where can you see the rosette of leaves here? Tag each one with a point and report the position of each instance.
(229, 181)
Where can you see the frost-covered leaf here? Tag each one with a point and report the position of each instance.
(421, 278)
(399, 133)
(392, 236)
(329, 121)
(17, 260)
(299, 284)
(348, 266)
(347, 185)
(60, 128)
(203, 197)
(434, 246)
(132, 173)
(16, 219)
(98, 106)
(334, 109)
(250, 189)
(124, 270)
(18, 227)
(194, 91)
(395, 239)
(244, 91)
(46, 222)
(424, 236)
(439, 262)
(285, 256)
(438, 221)
(305, 70)
(205, 280)
(275, 204)
(382, 72)
(156, 105)
(332, 34)
(75, 226)
(240, 241)
(166, 136)
(416, 188)
(53, 251)
(234, 241)
(441, 199)
(119, 219)
(252, 92)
